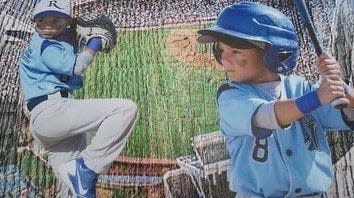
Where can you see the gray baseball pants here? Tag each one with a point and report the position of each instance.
(60, 125)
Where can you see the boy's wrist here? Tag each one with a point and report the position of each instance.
(308, 102)
(95, 44)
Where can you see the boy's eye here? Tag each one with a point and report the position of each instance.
(236, 51)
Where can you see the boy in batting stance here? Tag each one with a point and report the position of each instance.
(51, 69)
(274, 124)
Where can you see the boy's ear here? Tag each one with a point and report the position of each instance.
(69, 22)
(72, 23)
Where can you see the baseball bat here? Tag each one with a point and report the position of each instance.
(301, 6)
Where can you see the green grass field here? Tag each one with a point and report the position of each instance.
(176, 101)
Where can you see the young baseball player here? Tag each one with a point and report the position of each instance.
(274, 123)
(50, 70)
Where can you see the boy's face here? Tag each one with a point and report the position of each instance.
(51, 26)
(245, 65)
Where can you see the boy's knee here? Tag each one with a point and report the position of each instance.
(130, 108)
(126, 109)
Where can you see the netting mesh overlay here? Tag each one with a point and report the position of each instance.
(176, 98)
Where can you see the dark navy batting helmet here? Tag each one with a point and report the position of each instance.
(260, 26)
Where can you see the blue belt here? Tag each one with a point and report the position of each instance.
(33, 102)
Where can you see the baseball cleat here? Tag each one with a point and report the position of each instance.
(80, 179)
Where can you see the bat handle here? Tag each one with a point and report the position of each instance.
(341, 103)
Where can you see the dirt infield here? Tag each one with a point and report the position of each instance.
(181, 44)
(134, 173)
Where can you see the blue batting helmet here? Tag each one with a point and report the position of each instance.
(261, 26)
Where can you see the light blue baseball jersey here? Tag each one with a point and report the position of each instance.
(47, 66)
(290, 162)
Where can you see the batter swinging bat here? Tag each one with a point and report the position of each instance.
(338, 103)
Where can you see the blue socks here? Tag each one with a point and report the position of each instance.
(95, 44)
(308, 102)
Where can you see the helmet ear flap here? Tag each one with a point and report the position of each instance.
(217, 52)
(280, 60)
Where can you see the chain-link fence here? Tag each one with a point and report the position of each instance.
(155, 65)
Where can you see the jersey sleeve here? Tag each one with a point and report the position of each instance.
(236, 108)
(58, 58)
